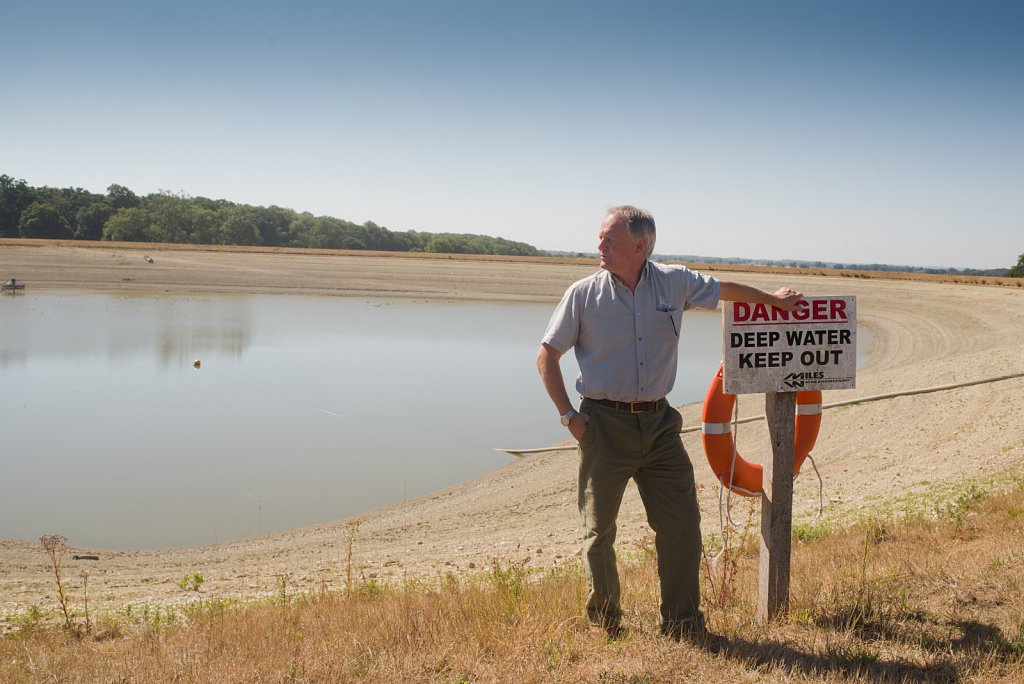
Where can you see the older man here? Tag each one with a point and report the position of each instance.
(624, 322)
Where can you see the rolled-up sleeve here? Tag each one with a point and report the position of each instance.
(700, 290)
(564, 327)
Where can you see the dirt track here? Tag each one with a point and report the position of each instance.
(925, 334)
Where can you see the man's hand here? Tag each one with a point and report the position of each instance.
(578, 425)
(551, 375)
(786, 298)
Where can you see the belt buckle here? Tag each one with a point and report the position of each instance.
(632, 410)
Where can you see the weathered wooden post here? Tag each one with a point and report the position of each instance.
(777, 507)
(781, 353)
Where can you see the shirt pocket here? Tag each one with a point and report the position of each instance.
(669, 318)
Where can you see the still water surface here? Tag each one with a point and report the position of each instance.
(304, 409)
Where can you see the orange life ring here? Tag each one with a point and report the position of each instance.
(743, 477)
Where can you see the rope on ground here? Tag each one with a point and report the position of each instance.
(850, 402)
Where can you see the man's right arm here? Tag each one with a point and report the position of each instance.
(550, 369)
(784, 298)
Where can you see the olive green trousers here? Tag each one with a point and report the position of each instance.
(646, 447)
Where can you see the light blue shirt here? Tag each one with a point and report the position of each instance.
(627, 343)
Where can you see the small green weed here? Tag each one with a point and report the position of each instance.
(283, 580)
(370, 587)
(808, 532)
(510, 582)
(957, 508)
(29, 620)
(1011, 650)
(192, 582)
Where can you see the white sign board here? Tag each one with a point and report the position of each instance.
(813, 347)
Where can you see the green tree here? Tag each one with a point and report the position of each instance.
(69, 201)
(172, 217)
(121, 197)
(272, 223)
(441, 245)
(205, 226)
(91, 219)
(128, 225)
(42, 220)
(238, 228)
(299, 230)
(322, 232)
(15, 196)
(1018, 270)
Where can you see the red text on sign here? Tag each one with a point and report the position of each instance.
(816, 311)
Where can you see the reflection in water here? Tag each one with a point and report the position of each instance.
(305, 409)
(87, 326)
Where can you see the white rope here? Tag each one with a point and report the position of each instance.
(721, 528)
(849, 402)
(722, 485)
(735, 453)
(727, 514)
(889, 395)
(821, 487)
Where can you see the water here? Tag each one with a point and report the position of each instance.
(303, 410)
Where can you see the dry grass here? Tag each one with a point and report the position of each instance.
(930, 595)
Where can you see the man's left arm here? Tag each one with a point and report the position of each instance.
(784, 298)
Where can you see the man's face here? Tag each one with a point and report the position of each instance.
(621, 253)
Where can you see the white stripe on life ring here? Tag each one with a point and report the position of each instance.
(738, 489)
(716, 428)
(808, 409)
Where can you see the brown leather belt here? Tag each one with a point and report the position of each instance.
(631, 406)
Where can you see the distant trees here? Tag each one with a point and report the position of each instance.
(91, 219)
(1018, 270)
(238, 227)
(42, 220)
(121, 197)
(122, 215)
(128, 225)
(15, 196)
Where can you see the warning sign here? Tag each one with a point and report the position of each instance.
(813, 347)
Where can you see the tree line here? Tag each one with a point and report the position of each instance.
(122, 215)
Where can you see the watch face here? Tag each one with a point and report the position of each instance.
(565, 420)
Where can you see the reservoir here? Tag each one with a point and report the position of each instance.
(163, 421)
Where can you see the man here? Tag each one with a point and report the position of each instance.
(624, 323)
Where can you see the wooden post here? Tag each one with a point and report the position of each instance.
(777, 507)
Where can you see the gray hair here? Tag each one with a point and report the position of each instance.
(639, 223)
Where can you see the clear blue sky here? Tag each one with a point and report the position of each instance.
(841, 131)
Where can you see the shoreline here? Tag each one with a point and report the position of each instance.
(870, 455)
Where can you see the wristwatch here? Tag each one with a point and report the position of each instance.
(568, 416)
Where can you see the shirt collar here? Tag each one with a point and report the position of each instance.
(616, 283)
